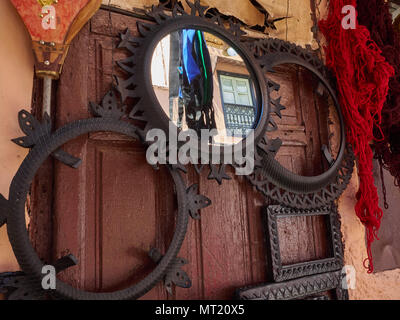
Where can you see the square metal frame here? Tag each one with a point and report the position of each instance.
(286, 272)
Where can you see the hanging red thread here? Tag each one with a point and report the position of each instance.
(377, 18)
(362, 80)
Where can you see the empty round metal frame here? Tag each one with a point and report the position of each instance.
(270, 177)
(191, 73)
(43, 144)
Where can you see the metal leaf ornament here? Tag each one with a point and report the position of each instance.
(19, 286)
(196, 201)
(176, 275)
(109, 107)
(131, 84)
(33, 129)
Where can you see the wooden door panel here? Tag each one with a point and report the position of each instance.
(69, 213)
(225, 248)
(113, 222)
(302, 239)
(292, 157)
(256, 234)
(123, 224)
(303, 126)
(110, 211)
(303, 129)
(287, 77)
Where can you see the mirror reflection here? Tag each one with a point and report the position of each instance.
(202, 82)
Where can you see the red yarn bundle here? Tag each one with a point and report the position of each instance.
(377, 18)
(362, 80)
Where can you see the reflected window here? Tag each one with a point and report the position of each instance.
(202, 82)
(238, 103)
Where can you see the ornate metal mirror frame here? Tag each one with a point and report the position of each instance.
(261, 56)
(139, 81)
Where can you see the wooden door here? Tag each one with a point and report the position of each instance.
(115, 207)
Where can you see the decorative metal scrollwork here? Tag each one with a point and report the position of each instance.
(175, 275)
(22, 286)
(13, 210)
(19, 286)
(306, 200)
(137, 83)
(302, 288)
(269, 176)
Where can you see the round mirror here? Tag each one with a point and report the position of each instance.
(203, 82)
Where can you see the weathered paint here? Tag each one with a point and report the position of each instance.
(31, 11)
(243, 9)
